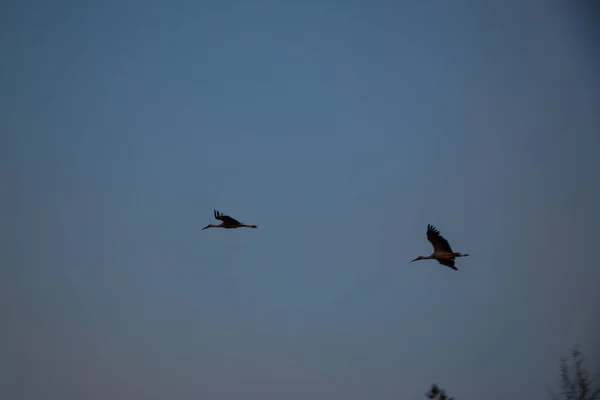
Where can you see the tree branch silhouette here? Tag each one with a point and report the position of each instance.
(576, 385)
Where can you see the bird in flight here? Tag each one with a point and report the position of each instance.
(442, 252)
(227, 222)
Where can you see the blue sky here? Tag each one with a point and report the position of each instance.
(340, 128)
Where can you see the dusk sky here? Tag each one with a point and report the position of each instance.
(341, 129)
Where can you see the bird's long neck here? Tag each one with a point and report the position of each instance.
(211, 226)
(247, 226)
(423, 258)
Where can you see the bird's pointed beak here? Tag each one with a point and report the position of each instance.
(415, 259)
(207, 226)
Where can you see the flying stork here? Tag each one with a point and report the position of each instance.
(227, 222)
(442, 252)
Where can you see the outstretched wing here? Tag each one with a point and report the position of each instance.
(448, 263)
(439, 243)
(226, 218)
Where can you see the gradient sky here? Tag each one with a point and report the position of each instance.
(340, 128)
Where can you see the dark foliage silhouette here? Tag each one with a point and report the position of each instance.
(437, 394)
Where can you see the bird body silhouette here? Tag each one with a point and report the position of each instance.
(227, 222)
(442, 251)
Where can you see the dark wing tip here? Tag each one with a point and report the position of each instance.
(432, 229)
(448, 263)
